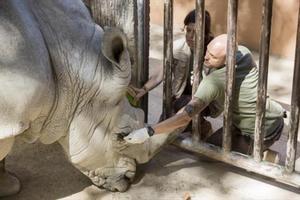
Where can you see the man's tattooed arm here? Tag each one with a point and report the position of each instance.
(182, 117)
(194, 107)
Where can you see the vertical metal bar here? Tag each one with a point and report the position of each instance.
(168, 58)
(230, 72)
(262, 79)
(146, 52)
(295, 104)
(198, 59)
(143, 15)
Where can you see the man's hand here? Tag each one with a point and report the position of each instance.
(139, 92)
(138, 136)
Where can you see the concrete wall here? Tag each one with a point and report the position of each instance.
(284, 22)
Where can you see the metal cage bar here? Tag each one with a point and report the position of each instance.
(143, 12)
(262, 79)
(230, 72)
(168, 58)
(198, 59)
(266, 169)
(281, 174)
(295, 104)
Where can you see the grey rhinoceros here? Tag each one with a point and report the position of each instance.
(63, 79)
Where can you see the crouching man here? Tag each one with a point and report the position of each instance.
(210, 94)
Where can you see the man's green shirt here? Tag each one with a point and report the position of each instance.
(212, 90)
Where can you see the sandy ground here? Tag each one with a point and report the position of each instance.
(173, 174)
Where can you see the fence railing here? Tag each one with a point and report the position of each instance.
(283, 174)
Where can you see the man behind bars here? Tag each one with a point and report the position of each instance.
(210, 94)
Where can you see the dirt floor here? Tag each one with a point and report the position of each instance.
(45, 173)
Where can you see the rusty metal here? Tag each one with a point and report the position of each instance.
(198, 60)
(230, 72)
(281, 174)
(295, 104)
(262, 79)
(266, 169)
(168, 58)
(143, 16)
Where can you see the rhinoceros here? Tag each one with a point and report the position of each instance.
(63, 79)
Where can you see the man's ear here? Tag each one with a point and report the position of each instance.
(114, 42)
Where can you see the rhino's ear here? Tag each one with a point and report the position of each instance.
(114, 42)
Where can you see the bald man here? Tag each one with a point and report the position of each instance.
(210, 94)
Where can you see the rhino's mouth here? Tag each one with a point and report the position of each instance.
(121, 135)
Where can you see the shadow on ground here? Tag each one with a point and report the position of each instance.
(44, 172)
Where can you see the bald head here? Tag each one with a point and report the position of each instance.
(216, 52)
(219, 44)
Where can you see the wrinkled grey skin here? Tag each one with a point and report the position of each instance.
(63, 79)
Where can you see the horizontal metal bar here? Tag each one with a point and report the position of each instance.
(266, 169)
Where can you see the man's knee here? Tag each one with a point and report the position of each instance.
(275, 136)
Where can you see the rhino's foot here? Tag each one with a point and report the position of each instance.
(9, 184)
(115, 178)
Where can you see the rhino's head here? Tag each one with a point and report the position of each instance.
(118, 67)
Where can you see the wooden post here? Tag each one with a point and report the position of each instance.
(295, 104)
(230, 72)
(198, 59)
(168, 58)
(143, 15)
(262, 79)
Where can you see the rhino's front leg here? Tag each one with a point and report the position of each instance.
(9, 184)
(114, 178)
